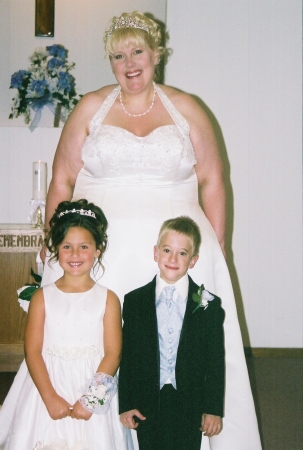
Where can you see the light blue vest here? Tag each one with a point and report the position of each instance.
(170, 322)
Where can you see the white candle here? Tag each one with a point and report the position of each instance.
(39, 180)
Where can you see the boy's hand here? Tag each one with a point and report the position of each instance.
(127, 418)
(79, 412)
(211, 425)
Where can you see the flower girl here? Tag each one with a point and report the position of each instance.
(72, 346)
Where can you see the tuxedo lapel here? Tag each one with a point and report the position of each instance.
(148, 306)
(151, 323)
(190, 306)
(149, 294)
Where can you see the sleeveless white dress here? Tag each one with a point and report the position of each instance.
(72, 351)
(139, 182)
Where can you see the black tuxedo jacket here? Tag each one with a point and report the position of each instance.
(200, 365)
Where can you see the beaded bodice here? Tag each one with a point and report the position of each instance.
(165, 155)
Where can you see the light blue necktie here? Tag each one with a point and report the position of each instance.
(169, 292)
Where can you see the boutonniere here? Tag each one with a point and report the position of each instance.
(202, 297)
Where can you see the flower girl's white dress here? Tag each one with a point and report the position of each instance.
(139, 182)
(72, 351)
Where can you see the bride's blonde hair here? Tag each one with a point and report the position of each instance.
(135, 28)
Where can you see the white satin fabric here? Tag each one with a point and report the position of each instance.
(139, 182)
(72, 351)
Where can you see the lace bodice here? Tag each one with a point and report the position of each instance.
(112, 153)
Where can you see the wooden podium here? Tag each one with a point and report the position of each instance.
(19, 245)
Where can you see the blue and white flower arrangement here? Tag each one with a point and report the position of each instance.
(47, 82)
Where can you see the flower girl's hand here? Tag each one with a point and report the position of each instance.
(78, 412)
(58, 408)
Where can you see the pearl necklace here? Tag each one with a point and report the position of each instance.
(142, 114)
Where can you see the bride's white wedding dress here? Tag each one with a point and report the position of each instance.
(139, 182)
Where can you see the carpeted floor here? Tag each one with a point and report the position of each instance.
(277, 385)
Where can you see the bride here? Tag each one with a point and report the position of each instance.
(145, 153)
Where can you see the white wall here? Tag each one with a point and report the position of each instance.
(243, 59)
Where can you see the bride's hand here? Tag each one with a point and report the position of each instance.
(43, 253)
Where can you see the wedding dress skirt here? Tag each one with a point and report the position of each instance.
(139, 182)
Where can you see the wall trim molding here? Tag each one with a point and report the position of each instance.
(263, 352)
(11, 356)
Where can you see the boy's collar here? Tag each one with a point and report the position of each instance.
(181, 286)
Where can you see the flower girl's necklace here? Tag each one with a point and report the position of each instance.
(142, 114)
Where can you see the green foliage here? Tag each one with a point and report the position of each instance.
(29, 289)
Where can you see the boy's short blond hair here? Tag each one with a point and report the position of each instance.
(184, 225)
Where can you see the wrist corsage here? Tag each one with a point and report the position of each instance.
(202, 297)
(99, 394)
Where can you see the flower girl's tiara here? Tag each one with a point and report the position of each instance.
(82, 212)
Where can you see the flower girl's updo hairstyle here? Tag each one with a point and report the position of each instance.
(77, 214)
(133, 28)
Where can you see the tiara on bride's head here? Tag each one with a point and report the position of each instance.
(82, 212)
(126, 22)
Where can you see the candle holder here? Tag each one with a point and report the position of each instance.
(39, 222)
(37, 213)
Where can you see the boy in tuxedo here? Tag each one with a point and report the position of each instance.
(172, 373)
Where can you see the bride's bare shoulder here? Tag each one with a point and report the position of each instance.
(185, 103)
(179, 98)
(92, 101)
(98, 96)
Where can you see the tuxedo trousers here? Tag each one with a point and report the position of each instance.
(174, 428)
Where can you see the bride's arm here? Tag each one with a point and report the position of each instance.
(209, 168)
(67, 161)
(209, 172)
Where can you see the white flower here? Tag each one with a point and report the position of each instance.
(52, 83)
(202, 297)
(205, 298)
(101, 391)
(96, 395)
